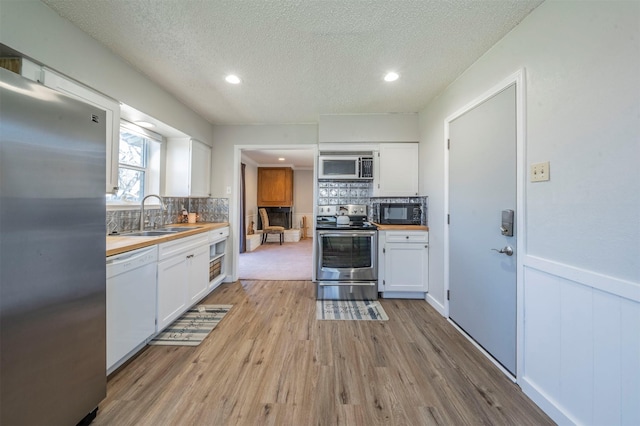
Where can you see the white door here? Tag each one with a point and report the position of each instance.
(482, 183)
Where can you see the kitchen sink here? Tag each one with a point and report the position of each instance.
(156, 233)
(160, 231)
(179, 228)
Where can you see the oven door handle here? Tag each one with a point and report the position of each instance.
(346, 233)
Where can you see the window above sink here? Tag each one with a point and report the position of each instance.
(138, 165)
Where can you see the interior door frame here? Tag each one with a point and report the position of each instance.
(517, 78)
(234, 201)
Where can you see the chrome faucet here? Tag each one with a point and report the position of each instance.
(162, 206)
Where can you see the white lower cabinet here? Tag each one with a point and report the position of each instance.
(198, 265)
(182, 276)
(403, 264)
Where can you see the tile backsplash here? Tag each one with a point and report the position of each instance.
(334, 192)
(207, 209)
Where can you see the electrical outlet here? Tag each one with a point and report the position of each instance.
(540, 172)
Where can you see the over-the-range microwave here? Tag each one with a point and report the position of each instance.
(345, 167)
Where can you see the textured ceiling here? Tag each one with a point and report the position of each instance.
(297, 59)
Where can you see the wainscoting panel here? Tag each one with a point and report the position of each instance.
(581, 346)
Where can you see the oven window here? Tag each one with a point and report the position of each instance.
(346, 252)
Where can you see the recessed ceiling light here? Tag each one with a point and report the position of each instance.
(233, 79)
(281, 159)
(391, 76)
(145, 124)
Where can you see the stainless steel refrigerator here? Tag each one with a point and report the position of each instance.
(52, 255)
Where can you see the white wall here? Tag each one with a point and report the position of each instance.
(226, 137)
(303, 197)
(581, 345)
(387, 127)
(34, 30)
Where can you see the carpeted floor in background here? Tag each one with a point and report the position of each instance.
(272, 261)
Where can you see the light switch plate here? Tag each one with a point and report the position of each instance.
(540, 172)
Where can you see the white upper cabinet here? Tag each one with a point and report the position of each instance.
(368, 128)
(30, 70)
(188, 172)
(110, 106)
(396, 170)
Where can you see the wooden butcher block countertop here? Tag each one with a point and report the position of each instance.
(401, 227)
(117, 244)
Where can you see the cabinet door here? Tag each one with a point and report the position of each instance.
(112, 109)
(200, 169)
(188, 168)
(406, 267)
(275, 186)
(397, 173)
(198, 265)
(172, 289)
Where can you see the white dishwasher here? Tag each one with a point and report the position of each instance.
(131, 303)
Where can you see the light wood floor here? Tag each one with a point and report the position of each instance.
(271, 362)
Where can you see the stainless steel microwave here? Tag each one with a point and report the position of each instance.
(345, 167)
(399, 213)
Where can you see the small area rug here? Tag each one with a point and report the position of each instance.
(350, 310)
(193, 326)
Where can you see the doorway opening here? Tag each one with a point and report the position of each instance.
(270, 260)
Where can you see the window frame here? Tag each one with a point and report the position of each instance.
(151, 169)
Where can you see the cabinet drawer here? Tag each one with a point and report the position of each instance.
(172, 248)
(218, 234)
(407, 237)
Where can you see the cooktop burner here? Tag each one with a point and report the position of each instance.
(331, 217)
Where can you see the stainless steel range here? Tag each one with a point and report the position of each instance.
(346, 254)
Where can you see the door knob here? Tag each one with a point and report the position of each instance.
(506, 250)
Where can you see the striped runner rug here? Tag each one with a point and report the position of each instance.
(350, 310)
(193, 326)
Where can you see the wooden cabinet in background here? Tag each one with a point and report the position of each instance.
(275, 186)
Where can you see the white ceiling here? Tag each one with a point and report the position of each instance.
(296, 158)
(297, 58)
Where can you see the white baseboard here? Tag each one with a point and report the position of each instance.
(436, 305)
(545, 402)
(402, 295)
